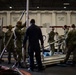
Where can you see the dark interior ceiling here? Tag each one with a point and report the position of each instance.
(38, 4)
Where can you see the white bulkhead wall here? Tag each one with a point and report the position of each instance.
(42, 18)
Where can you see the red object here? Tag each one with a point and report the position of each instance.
(4, 70)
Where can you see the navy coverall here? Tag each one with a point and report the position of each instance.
(34, 34)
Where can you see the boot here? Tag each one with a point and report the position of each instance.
(20, 65)
(1, 60)
(9, 62)
(41, 68)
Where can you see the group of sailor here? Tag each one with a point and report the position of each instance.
(65, 41)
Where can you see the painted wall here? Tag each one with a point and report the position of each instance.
(42, 18)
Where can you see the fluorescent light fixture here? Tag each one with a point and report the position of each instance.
(10, 7)
(66, 3)
(64, 7)
(38, 7)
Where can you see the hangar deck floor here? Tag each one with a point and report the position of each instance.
(51, 69)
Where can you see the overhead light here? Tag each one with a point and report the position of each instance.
(66, 3)
(64, 7)
(38, 7)
(10, 7)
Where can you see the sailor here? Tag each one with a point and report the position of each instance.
(2, 41)
(18, 33)
(73, 26)
(33, 34)
(66, 30)
(10, 47)
(51, 39)
(74, 53)
(71, 45)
